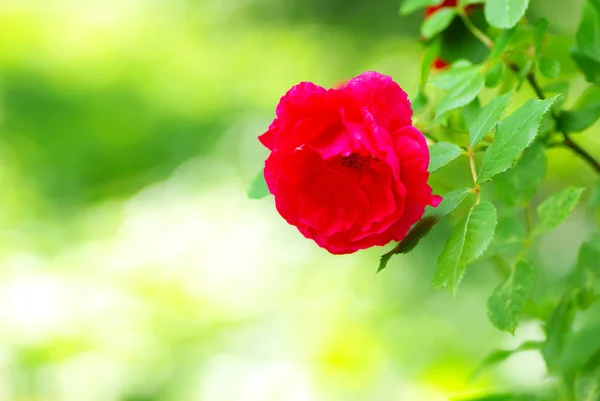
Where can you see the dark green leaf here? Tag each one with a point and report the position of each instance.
(587, 65)
(421, 229)
(513, 135)
(258, 189)
(555, 210)
(586, 51)
(508, 300)
(505, 13)
(558, 328)
(587, 270)
(585, 112)
(384, 259)
(467, 242)
(408, 6)
(437, 22)
(419, 102)
(488, 118)
(441, 154)
(501, 42)
(517, 185)
(588, 34)
(470, 112)
(493, 75)
(581, 346)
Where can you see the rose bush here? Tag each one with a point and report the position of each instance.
(347, 168)
(350, 171)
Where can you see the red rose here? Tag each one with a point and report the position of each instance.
(346, 165)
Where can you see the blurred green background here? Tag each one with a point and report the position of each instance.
(134, 268)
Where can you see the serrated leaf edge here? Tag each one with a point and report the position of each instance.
(529, 144)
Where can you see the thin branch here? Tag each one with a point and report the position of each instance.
(581, 152)
(585, 155)
(535, 86)
(476, 31)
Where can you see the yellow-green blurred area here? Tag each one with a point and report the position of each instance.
(132, 265)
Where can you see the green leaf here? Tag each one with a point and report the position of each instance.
(581, 347)
(517, 185)
(419, 102)
(488, 118)
(587, 269)
(585, 112)
(587, 65)
(493, 75)
(437, 22)
(555, 210)
(506, 304)
(258, 189)
(409, 6)
(441, 154)
(549, 68)
(513, 135)
(510, 236)
(505, 13)
(430, 218)
(500, 356)
(558, 328)
(459, 70)
(384, 259)
(469, 113)
(586, 51)
(463, 84)
(467, 242)
(539, 33)
(501, 42)
(588, 34)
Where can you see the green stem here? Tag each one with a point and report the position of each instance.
(475, 31)
(476, 188)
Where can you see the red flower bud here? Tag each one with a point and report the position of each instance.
(445, 3)
(440, 64)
